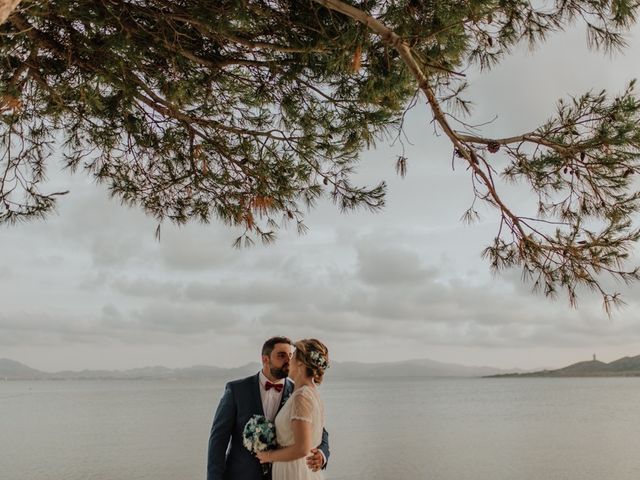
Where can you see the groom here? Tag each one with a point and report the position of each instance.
(261, 394)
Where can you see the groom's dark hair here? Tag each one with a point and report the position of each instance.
(268, 346)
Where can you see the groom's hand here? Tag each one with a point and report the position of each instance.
(315, 460)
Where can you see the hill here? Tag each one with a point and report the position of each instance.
(582, 368)
(623, 367)
(626, 364)
(11, 369)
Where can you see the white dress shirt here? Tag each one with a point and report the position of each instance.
(271, 398)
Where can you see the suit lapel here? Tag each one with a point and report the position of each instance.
(286, 392)
(256, 395)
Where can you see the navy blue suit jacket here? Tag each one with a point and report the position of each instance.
(228, 459)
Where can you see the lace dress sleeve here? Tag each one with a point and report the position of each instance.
(302, 406)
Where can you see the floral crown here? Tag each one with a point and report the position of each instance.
(318, 360)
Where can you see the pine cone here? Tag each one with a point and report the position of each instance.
(493, 147)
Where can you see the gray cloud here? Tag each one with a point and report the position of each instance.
(449, 312)
(397, 267)
(194, 248)
(147, 287)
(244, 293)
(152, 324)
(41, 328)
(178, 319)
(114, 250)
(6, 273)
(112, 313)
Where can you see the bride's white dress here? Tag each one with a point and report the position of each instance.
(303, 404)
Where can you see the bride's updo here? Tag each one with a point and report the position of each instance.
(315, 357)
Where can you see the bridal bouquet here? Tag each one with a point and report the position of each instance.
(259, 434)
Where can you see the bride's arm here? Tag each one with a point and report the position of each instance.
(299, 449)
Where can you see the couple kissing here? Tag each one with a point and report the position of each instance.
(283, 394)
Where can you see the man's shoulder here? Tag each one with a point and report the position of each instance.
(241, 382)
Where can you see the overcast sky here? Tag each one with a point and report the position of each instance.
(90, 287)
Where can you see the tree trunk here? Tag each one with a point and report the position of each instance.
(6, 7)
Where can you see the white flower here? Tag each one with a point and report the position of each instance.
(257, 429)
(319, 360)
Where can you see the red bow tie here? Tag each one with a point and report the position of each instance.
(278, 386)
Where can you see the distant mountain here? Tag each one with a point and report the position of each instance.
(421, 368)
(10, 369)
(410, 368)
(582, 368)
(626, 364)
(623, 367)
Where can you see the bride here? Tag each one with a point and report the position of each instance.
(300, 422)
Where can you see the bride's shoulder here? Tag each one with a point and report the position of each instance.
(305, 404)
(306, 391)
(305, 388)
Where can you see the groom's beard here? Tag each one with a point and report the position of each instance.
(279, 373)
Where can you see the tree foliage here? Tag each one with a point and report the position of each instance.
(250, 110)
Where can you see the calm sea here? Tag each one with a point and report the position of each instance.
(389, 429)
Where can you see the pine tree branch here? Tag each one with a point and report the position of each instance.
(162, 106)
(404, 50)
(556, 260)
(242, 109)
(175, 13)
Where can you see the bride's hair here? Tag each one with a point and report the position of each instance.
(314, 355)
